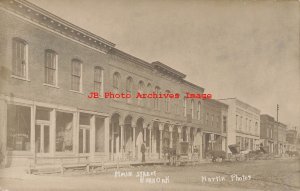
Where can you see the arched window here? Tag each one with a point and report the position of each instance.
(51, 67)
(167, 102)
(129, 87)
(149, 90)
(20, 58)
(98, 80)
(141, 89)
(256, 128)
(199, 110)
(176, 105)
(184, 107)
(192, 108)
(76, 82)
(116, 82)
(156, 101)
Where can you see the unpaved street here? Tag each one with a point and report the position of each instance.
(279, 174)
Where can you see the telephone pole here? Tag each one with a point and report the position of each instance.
(277, 130)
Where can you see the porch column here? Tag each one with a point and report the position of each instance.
(112, 139)
(180, 133)
(92, 137)
(52, 131)
(150, 127)
(76, 133)
(122, 139)
(3, 130)
(32, 132)
(133, 142)
(145, 132)
(171, 127)
(161, 128)
(201, 146)
(188, 133)
(106, 137)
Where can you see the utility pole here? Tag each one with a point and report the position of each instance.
(277, 130)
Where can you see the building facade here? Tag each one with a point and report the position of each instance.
(280, 138)
(243, 124)
(291, 139)
(214, 126)
(267, 125)
(49, 68)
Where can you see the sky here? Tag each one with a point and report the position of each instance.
(243, 49)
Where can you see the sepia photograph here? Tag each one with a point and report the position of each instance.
(149, 95)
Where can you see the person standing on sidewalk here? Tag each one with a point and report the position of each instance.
(143, 150)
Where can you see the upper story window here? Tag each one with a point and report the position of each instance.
(167, 102)
(176, 106)
(116, 82)
(98, 80)
(76, 81)
(149, 90)
(207, 118)
(156, 101)
(141, 89)
(236, 121)
(192, 108)
(256, 127)
(224, 124)
(212, 120)
(20, 58)
(129, 87)
(250, 124)
(184, 107)
(51, 67)
(241, 122)
(199, 110)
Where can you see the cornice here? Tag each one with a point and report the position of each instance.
(193, 85)
(53, 23)
(167, 70)
(124, 55)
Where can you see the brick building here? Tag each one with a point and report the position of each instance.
(48, 69)
(280, 138)
(291, 139)
(214, 126)
(267, 125)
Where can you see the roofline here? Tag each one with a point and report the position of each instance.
(32, 7)
(131, 58)
(177, 73)
(193, 85)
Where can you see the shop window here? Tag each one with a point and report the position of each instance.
(18, 128)
(64, 132)
(99, 128)
(84, 132)
(42, 130)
